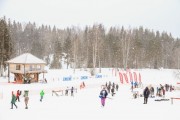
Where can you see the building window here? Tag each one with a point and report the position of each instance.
(32, 67)
(38, 67)
(18, 67)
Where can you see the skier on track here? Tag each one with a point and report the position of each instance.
(103, 95)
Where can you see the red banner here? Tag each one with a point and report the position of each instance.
(121, 77)
(126, 78)
(130, 76)
(139, 77)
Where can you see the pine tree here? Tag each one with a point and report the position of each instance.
(93, 46)
(56, 63)
(5, 45)
(67, 48)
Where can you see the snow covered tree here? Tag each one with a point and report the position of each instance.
(5, 45)
(95, 46)
(67, 48)
(56, 63)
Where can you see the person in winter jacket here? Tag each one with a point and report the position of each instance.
(83, 84)
(112, 91)
(152, 91)
(113, 85)
(163, 91)
(66, 91)
(72, 91)
(17, 95)
(132, 86)
(103, 95)
(146, 94)
(117, 87)
(41, 95)
(26, 99)
(13, 101)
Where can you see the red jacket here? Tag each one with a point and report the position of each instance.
(18, 93)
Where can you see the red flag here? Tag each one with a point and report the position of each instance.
(126, 78)
(121, 77)
(130, 76)
(139, 77)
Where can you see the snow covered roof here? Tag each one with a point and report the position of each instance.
(26, 58)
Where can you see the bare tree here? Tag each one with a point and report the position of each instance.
(126, 39)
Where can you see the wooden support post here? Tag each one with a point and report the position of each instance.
(8, 74)
(24, 74)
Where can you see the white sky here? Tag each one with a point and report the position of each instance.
(162, 15)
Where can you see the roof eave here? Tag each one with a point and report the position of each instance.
(24, 63)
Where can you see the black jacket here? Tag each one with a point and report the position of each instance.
(103, 93)
(146, 92)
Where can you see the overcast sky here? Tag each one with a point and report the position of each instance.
(162, 15)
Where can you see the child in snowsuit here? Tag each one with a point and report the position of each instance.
(17, 95)
(41, 95)
(13, 101)
(103, 95)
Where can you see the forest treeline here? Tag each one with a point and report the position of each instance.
(91, 47)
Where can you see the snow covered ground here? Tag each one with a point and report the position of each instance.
(85, 105)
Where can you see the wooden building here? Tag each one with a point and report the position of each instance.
(26, 68)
